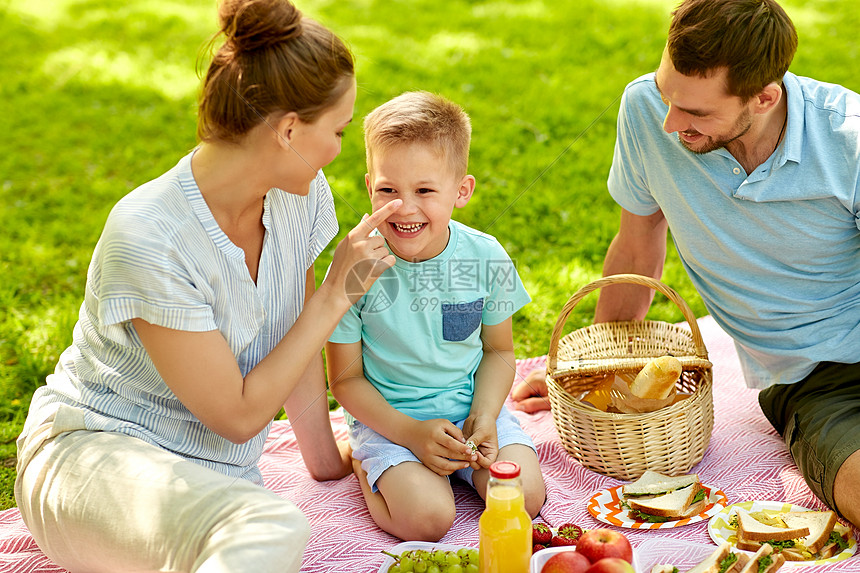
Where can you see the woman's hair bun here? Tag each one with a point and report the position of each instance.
(273, 61)
(253, 24)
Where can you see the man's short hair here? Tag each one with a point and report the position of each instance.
(420, 117)
(754, 39)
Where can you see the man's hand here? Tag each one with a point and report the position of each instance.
(440, 446)
(481, 431)
(531, 394)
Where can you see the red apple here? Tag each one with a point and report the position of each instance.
(597, 544)
(566, 562)
(611, 565)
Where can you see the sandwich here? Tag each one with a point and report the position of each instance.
(819, 523)
(654, 483)
(764, 561)
(752, 533)
(797, 535)
(836, 542)
(722, 560)
(656, 498)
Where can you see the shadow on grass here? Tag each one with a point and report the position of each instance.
(75, 143)
(99, 97)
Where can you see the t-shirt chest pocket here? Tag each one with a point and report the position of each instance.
(461, 319)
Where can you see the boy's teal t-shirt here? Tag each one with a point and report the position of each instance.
(420, 324)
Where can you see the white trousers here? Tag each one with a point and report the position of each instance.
(108, 502)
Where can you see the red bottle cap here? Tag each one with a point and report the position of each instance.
(505, 470)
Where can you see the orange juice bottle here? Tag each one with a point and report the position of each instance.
(505, 527)
(601, 396)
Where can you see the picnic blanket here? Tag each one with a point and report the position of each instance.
(746, 459)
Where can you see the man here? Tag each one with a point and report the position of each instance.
(756, 172)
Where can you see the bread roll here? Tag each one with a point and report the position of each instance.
(626, 402)
(657, 380)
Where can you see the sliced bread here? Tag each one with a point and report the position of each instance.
(750, 529)
(818, 524)
(758, 562)
(712, 563)
(654, 483)
(672, 504)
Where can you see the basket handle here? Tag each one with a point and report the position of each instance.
(652, 283)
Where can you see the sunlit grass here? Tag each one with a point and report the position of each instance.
(94, 63)
(99, 97)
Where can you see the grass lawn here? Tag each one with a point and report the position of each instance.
(99, 97)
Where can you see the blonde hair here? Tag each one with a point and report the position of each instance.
(273, 60)
(420, 117)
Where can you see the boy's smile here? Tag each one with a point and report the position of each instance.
(408, 230)
(420, 175)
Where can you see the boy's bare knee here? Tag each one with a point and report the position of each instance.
(534, 491)
(535, 498)
(428, 523)
(534, 488)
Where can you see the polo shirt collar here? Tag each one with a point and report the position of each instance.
(792, 146)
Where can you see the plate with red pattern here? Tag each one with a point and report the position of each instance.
(607, 506)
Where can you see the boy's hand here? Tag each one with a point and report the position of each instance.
(481, 430)
(440, 446)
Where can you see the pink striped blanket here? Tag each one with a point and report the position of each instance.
(746, 459)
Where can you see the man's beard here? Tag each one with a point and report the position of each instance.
(741, 127)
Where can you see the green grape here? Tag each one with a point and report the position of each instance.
(451, 558)
(456, 568)
(406, 561)
(420, 566)
(439, 556)
(433, 569)
(462, 552)
(473, 556)
(395, 568)
(471, 568)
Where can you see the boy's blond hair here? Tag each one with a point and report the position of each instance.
(420, 117)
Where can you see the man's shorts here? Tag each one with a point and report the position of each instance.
(819, 419)
(377, 453)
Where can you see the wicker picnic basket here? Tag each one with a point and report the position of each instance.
(670, 440)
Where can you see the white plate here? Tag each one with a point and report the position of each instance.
(719, 530)
(540, 558)
(605, 506)
(398, 549)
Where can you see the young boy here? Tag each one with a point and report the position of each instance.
(424, 361)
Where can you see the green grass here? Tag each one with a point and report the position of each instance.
(99, 97)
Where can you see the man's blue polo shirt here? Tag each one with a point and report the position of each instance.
(775, 254)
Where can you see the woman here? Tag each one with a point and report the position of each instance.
(200, 320)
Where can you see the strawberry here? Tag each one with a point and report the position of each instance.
(537, 548)
(568, 534)
(541, 534)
